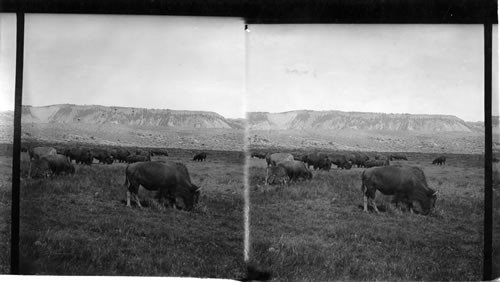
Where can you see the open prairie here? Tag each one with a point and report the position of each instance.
(79, 224)
(5, 206)
(316, 230)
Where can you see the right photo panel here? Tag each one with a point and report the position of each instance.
(366, 151)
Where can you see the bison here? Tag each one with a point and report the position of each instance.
(381, 157)
(276, 175)
(397, 156)
(258, 155)
(170, 179)
(137, 158)
(200, 157)
(102, 155)
(120, 154)
(38, 152)
(439, 161)
(39, 168)
(296, 170)
(407, 184)
(51, 165)
(276, 158)
(358, 159)
(317, 161)
(81, 155)
(373, 163)
(340, 161)
(159, 152)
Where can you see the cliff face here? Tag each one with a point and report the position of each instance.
(126, 116)
(335, 120)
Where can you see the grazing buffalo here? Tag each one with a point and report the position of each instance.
(38, 152)
(296, 170)
(397, 156)
(358, 159)
(258, 155)
(81, 155)
(439, 161)
(340, 161)
(200, 157)
(51, 165)
(102, 155)
(407, 184)
(159, 152)
(373, 163)
(84, 156)
(120, 154)
(276, 158)
(39, 168)
(317, 161)
(276, 175)
(381, 157)
(170, 179)
(59, 164)
(137, 158)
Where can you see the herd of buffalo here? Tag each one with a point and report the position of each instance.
(407, 184)
(172, 182)
(170, 179)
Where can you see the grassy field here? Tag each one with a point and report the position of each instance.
(5, 211)
(316, 230)
(79, 224)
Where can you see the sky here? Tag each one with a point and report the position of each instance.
(7, 61)
(196, 63)
(417, 69)
(179, 63)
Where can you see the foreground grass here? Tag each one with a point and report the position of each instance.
(317, 231)
(79, 224)
(5, 212)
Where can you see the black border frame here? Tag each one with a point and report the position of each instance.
(273, 12)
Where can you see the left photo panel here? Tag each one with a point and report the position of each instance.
(132, 146)
(7, 87)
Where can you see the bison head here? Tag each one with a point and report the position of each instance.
(187, 200)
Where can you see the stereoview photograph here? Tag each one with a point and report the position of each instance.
(132, 146)
(367, 146)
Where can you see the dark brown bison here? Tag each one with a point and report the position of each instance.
(358, 159)
(258, 155)
(397, 156)
(120, 154)
(373, 163)
(200, 157)
(159, 152)
(102, 155)
(170, 179)
(276, 175)
(381, 157)
(137, 158)
(37, 152)
(439, 161)
(296, 170)
(81, 155)
(407, 184)
(51, 165)
(39, 168)
(340, 161)
(276, 158)
(317, 161)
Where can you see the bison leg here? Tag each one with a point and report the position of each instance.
(128, 199)
(374, 205)
(137, 201)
